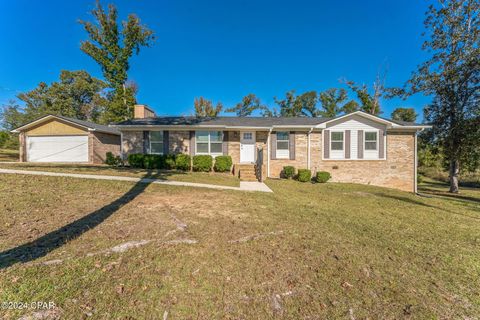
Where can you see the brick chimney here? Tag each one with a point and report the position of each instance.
(143, 111)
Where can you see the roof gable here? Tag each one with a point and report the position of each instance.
(390, 124)
(79, 123)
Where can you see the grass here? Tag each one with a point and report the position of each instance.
(224, 179)
(307, 251)
(8, 155)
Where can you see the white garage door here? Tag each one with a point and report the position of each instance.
(57, 149)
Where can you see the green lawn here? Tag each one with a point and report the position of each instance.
(306, 251)
(8, 155)
(225, 179)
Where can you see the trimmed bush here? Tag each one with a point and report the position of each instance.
(288, 172)
(169, 161)
(322, 176)
(135, 160)
(223, 163)
(111, 160)
(152, 161)
(304, 175)
(202, 163)
(182, 162)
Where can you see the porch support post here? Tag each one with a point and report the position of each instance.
(121, 146)
(268, 153)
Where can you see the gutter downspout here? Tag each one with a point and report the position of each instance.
(308, 148)
(268, 152)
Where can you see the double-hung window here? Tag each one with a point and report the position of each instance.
(156, 142)
(283, 146)
(209, 142)
(336, 141)
(371, 140)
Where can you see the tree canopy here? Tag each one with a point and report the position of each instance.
(247, 106)
(404, 114)
(112, 49)
(369, 103)
(204, 107)
(77, 94)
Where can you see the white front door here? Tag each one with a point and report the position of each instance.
(247, 146)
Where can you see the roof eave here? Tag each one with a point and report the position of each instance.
(410, 127)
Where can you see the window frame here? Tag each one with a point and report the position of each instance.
(365, 140)
(209, 143)
(247, 132)
(343, 141)
(287, 156)
(156, 141)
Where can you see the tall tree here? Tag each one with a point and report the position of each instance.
(205, 108)
(332, 100)
(452, 75)
(404, 114)
(112, 49)
(247, 106)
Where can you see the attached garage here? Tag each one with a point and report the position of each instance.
(57, 149)
(66, 140)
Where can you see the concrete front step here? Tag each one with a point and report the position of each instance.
(246, 172)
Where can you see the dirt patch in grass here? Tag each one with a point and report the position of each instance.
(224, 179)
(303, 252)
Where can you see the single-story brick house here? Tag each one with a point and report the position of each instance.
(356, 147)
(62, 139)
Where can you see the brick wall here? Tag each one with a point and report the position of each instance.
(132, 142)
(179, 142)
(300, 161)
(234, 145)
(100, 143)
(397, 171)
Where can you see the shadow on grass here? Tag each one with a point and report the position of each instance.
(420, 203)
(55, 239)
(451, 196)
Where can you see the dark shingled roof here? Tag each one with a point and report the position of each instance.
(225, 121)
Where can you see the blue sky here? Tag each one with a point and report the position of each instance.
(223, 50)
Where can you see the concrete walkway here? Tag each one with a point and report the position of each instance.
(244, 185)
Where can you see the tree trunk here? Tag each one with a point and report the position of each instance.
(454, 170)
